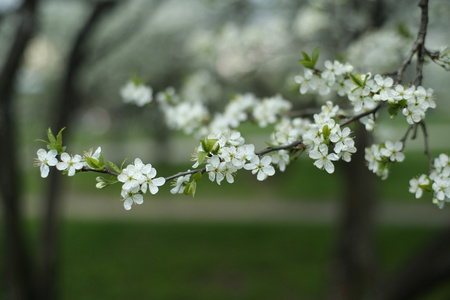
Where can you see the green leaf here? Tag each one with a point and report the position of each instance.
(211, 143)
(356, 79)
(216, 149)
(201, 156)
(101, 160)
(59, 137)
(114, 167)
(39, 140)
(393, 111)
(326, 131)
(306, 56)
(307, 64)
(315, 55)
(94, 163)
(190, 188)
(197, 176)
(51, 137)
(121, 166)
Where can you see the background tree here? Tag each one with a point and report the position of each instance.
(216, 61)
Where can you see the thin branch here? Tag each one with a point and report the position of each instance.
(426, 144)
(421, 37)
(357, 117)
(297, 143)
(405, 137)
(418, 46)
(185, 173)
(104, 171)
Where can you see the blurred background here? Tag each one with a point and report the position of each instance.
(302, 234)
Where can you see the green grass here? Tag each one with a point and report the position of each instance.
(193, 261)
(117, 260)
(179, 260)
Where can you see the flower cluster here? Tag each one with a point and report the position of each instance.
(224, 153)
(324, 134)
(366, 93)
(443, 58)
(135, 92)
(286, 132)
(437, 182)
(64, 162)
(379, 157)
(235, 112)
(137, 179)
(194, 117)
(268, 110)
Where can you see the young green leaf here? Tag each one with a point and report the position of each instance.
(356, 79)
(197, 176)
(114, 167)
(315, 56)
(94, 163)
(306, 56)
(201, 155)
(190, 188)
(59, 137)
(50, 136)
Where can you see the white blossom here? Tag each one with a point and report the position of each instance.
(44, 160)
(261, 167)
(70, 163)
(323, 159)
(138, 94)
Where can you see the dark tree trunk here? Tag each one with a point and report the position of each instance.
(354, 269)
(426, 270)
(68, 101)
(17, 277)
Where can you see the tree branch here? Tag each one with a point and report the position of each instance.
(418, 46)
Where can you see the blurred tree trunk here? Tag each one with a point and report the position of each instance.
(67, 103)
(17, 279)
(354, 266)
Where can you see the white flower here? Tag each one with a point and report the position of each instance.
(229, 171)
(341, 139)
(138, 94)
(44, 160)
(261, 166)
(323, 159)
(150, 182)
(280, 158)
(70, 163)
(441, 188)
(95, 155)
(131, 177)
(215, 169)
(384, 86)
(442, 164)
(246, 152)
(393, 151)
(180, 184)
(131, 196)
(417, 185)
(267, 111)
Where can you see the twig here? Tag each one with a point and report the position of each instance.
(104, 171)
(297, 143)
(426, 145)
(405, 137)
(357, 117)
(185, 173)
(418, 46)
